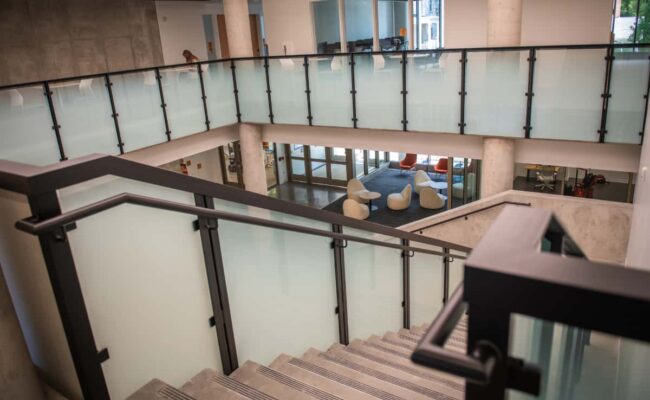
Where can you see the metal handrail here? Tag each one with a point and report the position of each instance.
(37, 228)
(422, 51)
(33, 181)
(516, 203)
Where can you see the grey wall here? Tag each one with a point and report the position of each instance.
(46, 39)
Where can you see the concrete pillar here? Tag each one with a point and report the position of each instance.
(250, 144)
(375, 25)
(504, 23)
(18, 378)
(411, 32)
(497, 166)
(343, 38)
(250, 136)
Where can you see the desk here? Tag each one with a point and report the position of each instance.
(538, 167)
(438, 186)
(370, 196)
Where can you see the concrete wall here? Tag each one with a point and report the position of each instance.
(48, 39)
(600, 228)
(543, 22)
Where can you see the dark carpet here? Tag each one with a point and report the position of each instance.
(389, 181)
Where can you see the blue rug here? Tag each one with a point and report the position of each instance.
(386, 182)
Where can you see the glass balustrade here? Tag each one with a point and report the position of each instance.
(426, 285)
(377, 90)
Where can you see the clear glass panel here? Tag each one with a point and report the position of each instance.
(26, 133)
(330, 85)
(297, 167)
(326, 26)
(251, 83)
(137, 101)
(393, 17)
(627, 105)
(358, 162)
(319, 169)
(578, 364)
(379, 86)
(339, 154)
(282, 289)
(297, 150)
(287, 80)
(317, 152)
(83, 110)
(496, 84)
(373, 276)
(568, 86)
(339, 172)
(433, 83)
(458, 188)
(217, 79)
(426, 272)
(182, 89)
(145, 286)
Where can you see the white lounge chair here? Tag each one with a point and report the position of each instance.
(430, 199)
(354, 188)
(400, 201)
(356, 210)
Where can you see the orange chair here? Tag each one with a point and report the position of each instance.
(408, 163)
(441, 167)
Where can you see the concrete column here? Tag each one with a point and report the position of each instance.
(504, 23)
(375, 25)
(411, 32)
(497, 166)
(250, 144)
(343, 38)
(250, 136)
(238, 28)
(18, 378)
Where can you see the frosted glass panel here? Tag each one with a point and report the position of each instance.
(83, 110)
(219, 92)
(143, 278)
(26, 133)
(433, 83)
(330, 85)
(182, 89)
(456, 273)
(137, 101)
(287, 78)
(496, 83)
(251, 83)
(627, 104)
(373, 277)
(568, 86)
(281, 286)
(379, 87)
(426, 285)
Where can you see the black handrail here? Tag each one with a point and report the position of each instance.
(37, 228)
(33, 181)
(465, 215)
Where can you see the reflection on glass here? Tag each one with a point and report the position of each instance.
(298, 167)
(358, 162)
(319, 169)
(339, 172)
(339, 154)
(317, 152)
(297, 150)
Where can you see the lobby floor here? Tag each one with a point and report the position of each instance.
(317, 196)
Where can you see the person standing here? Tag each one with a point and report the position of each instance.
(189, 57)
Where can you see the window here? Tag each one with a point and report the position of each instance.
(632, 21)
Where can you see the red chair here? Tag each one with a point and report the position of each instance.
(408, 163)
(441, 166)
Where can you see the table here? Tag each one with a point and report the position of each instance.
(370, 196)
(438, 186)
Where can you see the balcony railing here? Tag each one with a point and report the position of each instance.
(593, 93)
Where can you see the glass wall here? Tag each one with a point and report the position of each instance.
(632, 21)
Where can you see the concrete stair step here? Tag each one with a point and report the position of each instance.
(212, 385)
(396, 340)
(359, 374)
(159, 390)
(404, 364)
(274, 384)
(292, 367)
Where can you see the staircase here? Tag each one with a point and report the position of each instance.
(376, 368)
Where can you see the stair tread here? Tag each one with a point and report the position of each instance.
(397, 340)
(157, 389)
(209, 384)
(248, 374)
(283, 364)
(341, 353)
(402, 388)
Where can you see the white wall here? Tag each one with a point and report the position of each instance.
(638, 251)
(544, 22)
(204, 165)
(289, 23)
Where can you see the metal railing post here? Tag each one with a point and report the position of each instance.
(199, 70)
(645, 113)
(404, 91)
(445, 276)
(341, 295)
(235, 90)
(530, 93)
(406, 286)
(221, 318)
(69, 300)
(462, 93)
(55, 124)
(353, 92)
(609, 60)
(114, 115)
(163, 105)
(268, 88)
(308, 90)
